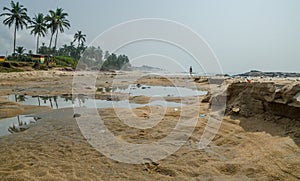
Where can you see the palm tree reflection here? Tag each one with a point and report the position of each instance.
(20, 98)
(52, 101)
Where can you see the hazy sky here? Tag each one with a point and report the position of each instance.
(244, 34)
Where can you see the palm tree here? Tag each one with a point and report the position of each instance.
(51, 20)
(62, 22)
(79, 37)
(17, 15)
(20, 50)
(57, 22)
(38, 28)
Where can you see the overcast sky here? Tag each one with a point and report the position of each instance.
(244, 34)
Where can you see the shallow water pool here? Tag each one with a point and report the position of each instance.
(58, 102)
(159, 91)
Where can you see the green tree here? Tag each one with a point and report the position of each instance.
(67, 50)
(92, 56)
(44, 49)
(106, 55)
(79, 51)
(39, 28)
(72, 50)
(114, 62)
(64, 50)
(17, 15)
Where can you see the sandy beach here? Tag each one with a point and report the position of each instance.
(259, 137)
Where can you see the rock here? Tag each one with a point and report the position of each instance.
(236, 109)
(256, 73)
(76, 115)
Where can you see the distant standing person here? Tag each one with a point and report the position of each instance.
(191, 71)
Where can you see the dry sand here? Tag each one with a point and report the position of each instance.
(252, 148)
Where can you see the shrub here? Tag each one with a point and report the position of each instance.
(65, 61)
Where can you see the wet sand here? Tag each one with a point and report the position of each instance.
(55, 149)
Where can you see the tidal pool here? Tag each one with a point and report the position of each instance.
(58, 102)
(158, 91)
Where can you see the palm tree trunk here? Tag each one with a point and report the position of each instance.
(15, 35)
(51, 40)
(37, 44)
(56, 39)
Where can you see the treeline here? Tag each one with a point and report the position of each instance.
(95, 59)
(40, 25)
(51, 24)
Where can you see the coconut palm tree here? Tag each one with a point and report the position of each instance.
(62, 22)
(20, 50)
(51, 20)
(17, 15)
(79, 37)
(57, 22)
(39, 28)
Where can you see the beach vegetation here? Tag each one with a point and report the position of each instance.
(15, 16)
(114, 62)
(55, 22)
(38, 28)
